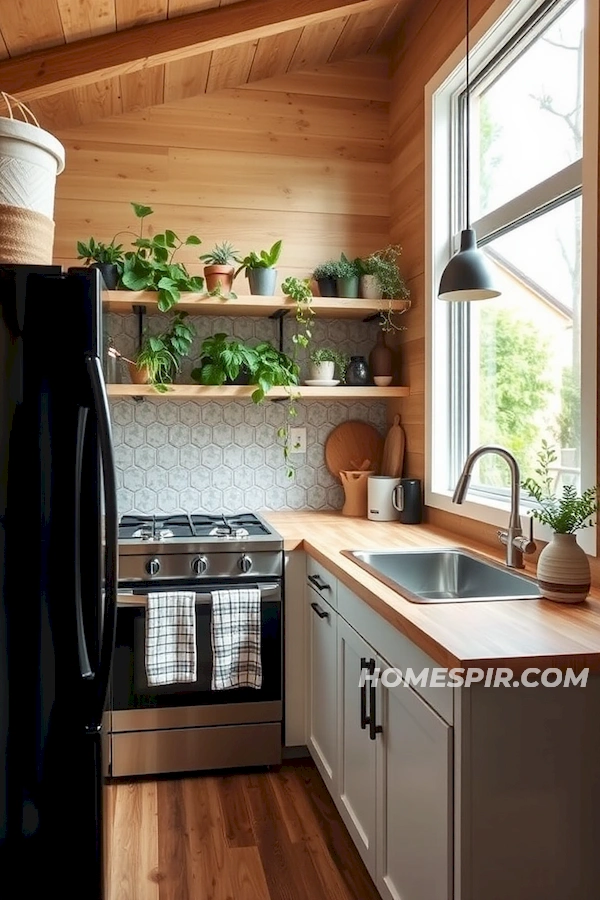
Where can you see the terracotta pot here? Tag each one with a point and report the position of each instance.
(223, 275)
(138, 376)
(563, 570)
(381, 357)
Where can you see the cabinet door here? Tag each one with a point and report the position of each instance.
(414, 797)
(322, 686)
(357, 781)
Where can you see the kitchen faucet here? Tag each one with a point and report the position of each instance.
(516, 544)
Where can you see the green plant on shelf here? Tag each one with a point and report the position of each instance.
(161, 354)
(341, 361)
(564, 514)
(110, 254)
(299, 290)
(151, 266)
(265, 259)
(221, 255)
(383, 264)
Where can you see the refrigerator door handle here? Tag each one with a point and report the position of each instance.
(82, 649)
(101, 411)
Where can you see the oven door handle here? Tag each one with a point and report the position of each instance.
(203, 598)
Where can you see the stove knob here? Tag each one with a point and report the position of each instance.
(153, 566)
(245, 563)
(199, 565)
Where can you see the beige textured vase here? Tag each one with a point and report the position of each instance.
(563, 570)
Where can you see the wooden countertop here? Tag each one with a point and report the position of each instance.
(517, 634)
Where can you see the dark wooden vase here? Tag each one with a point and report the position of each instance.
(381, 358)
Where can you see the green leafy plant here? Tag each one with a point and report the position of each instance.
(266, 259)
(110, 254)
(383, 264)
(328, 354)
(298, 290)
(567, 513)
(345, 268)
(221, 255)
(151, 267)
(325, 270)
(224, 359)
(161, 354)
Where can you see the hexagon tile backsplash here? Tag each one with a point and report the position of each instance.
(225, 456)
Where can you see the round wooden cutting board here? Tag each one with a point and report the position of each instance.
(350, 445)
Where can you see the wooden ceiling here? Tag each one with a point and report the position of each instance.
(76, 61)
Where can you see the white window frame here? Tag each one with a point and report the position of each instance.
(496, 26)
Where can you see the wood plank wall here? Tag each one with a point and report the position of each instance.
(303, 157)
(430, 34)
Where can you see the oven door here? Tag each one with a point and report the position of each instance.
(138, 706)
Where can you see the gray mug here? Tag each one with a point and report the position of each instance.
(407, 499)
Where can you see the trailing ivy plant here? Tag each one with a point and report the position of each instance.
(161, 354)
(150, 267)
(298, 290)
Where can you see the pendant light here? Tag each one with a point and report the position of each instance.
(468, 275)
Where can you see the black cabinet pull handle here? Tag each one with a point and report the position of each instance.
(364, 719)
(322, 614)
(374, 729)
(318, 583)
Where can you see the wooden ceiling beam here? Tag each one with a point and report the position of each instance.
(43, 73)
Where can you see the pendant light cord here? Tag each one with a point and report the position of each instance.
(468, 126)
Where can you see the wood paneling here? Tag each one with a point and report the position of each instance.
(249, 836)
(28, 25)
(247, 166)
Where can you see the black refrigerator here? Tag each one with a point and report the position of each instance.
(58, 552)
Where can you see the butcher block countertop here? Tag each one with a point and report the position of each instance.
(517, 634)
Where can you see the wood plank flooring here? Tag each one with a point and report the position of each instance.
(242, 836)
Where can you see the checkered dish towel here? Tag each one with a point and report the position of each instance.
(171, 637)
(235, 635)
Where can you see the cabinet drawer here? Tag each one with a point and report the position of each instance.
(395, 648)
(322, 581)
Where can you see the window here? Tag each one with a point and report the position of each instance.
(508, 371)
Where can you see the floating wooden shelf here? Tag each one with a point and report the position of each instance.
(243, 391)
(247, 305)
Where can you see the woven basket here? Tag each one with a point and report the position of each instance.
(30, 160)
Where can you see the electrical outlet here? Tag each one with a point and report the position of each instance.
(297, 440)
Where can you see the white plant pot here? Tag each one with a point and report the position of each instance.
(563, 570)
(322, 371)
(30, 160)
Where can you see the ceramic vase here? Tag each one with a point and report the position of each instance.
(347, 287)
(380, 357)
(262, 281)
(327, 287)
(563, 570)
(370, 288)
(219, 275)
(322, 371)
(357, 373)
(110, 274)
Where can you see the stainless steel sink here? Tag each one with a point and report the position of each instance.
(444, 576)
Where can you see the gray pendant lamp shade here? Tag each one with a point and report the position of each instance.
(468, 275)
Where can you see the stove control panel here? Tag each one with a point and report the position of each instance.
(194, 567)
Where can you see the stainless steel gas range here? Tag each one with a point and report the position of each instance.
(188, 726)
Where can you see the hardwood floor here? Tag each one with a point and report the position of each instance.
(241, 836)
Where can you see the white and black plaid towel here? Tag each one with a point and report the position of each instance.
(235, 635)
(171, 637)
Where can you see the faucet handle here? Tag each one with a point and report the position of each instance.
(526, 545)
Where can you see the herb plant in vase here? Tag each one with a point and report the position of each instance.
(323, 364)
(260, 270)
(219, 269)
(160, 355)
(563, 569)
(346, 276)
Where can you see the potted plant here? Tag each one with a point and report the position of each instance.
(563, 569)
(325, 275)
(346, 276)
(219, 269)
(259, 270)
(225, 360)
(324, 362)
(107, 258)
(160, 355)
(151, 266)
(380, 278)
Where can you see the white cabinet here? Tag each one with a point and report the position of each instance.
(295, 650)
(357, 752)
(414, 796)
(322, 686)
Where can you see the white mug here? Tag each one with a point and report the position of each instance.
(381, 491)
